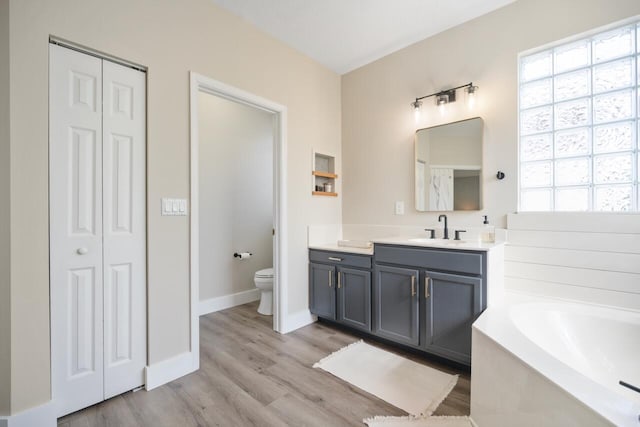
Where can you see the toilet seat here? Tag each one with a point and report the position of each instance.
(266, 273)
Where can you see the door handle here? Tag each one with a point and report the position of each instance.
(338, 280)
(330, 278)
(332, 258)
(426, 287)
(413, 286)
(82, 251)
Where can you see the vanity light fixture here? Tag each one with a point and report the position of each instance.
(471, 95)
(445, 97)
(416, 108)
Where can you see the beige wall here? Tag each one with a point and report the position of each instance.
(171, 38)
(378, 123)
(5, 261)
(236, 194)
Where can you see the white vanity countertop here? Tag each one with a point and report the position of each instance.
(469, 245)
(335, 248)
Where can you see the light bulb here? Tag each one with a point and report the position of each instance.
(471, 102)
(442, 102)
(416, 109)
(471, 96)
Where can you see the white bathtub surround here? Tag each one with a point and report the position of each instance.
(589, 257)
(412, 387)
(547, 362)
(444, 421)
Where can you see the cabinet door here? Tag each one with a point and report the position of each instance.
(396, 304)
(354, 298)
(322, 294)
(452, 303)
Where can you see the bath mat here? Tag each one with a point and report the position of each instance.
(410, 386)
(418, 422)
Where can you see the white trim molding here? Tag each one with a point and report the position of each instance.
(42, 416)
(168, 370)
(200, 83)
(212, 305)
(298, 320)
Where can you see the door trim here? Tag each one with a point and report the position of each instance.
(200, 83)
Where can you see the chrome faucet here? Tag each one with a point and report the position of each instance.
(446, 227)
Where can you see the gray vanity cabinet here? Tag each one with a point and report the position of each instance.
(354, 298)
(322, 294)
(396, 304)
(340, 287)
(423, 298)
(451, 303)
(429, 297)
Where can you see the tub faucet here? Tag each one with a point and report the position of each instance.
(446, 227)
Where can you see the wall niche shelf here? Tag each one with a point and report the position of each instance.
(324, 193)
(323, 174)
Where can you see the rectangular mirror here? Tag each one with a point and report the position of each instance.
(448, 166)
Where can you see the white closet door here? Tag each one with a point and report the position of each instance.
(75, 211)
(124, 228)
(97, 226)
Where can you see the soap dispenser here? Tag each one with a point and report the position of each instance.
(488, 233)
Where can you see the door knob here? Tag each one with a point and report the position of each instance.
(82, 251)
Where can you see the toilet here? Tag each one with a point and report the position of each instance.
(264, 281)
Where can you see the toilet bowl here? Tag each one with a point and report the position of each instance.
(264, 281)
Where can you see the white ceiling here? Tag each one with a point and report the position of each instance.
(346, 34)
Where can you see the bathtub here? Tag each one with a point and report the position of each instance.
(544, 362)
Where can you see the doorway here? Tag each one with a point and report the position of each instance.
(199, 85)
(97, 226)
(235, 199)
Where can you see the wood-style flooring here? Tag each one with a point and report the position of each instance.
(252, 376)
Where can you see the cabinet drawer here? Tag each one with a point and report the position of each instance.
(340, 258)
(460, 262)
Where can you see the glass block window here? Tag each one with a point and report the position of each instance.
(579, 109)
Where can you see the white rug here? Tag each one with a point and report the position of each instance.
(418, 422)
(415, 388)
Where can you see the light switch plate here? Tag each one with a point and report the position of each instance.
(400, 208)
(173, 207)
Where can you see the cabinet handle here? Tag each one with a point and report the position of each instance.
(413, 286)
(330, 278)
(426, 287)
(338, 280)
(331, 258)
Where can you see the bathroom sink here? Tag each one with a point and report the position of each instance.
(427, 241)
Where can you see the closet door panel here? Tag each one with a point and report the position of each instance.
(124, 228)
(75, 223)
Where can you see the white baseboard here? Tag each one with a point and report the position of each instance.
(169, 370)
(42, 415)
(297, 320)
(227, 301)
